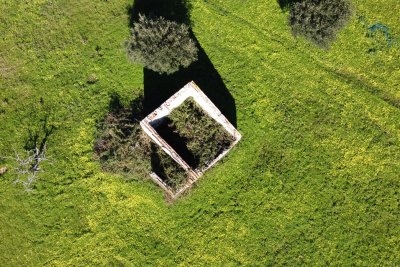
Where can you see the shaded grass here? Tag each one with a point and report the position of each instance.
(314, 180)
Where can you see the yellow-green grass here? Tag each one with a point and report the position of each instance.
(315, 179)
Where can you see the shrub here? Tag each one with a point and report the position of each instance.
(121, 146)
(92, 78)
(161, 45)
(319, 20)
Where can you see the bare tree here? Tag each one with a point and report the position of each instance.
(39, 128)
(29, 166)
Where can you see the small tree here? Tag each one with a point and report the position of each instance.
(319, 20)
(161, 45)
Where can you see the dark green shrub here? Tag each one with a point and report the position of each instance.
(121, 146)
(161, 45)
(319, 20)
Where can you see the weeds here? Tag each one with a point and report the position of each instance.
(194, 135)
(167, 169)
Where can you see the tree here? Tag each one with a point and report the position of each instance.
(319, 20)
(161, 45)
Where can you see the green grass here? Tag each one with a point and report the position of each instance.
(314, 180)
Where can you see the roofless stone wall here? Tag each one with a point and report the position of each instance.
(149, 125)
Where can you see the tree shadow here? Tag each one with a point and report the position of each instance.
(159, 87)
(285, 4)
(175, 10)
(39, 127)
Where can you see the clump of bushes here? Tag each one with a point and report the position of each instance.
(161, 45)
(121, 145)
(319, 20)
(194, 135)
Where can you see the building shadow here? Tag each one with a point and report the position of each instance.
(176, 141)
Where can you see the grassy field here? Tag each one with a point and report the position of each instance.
(314, 181)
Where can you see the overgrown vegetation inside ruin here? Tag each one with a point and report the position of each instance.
(196, 137)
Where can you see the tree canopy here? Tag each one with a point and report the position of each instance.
(161, 45)
(319, 20)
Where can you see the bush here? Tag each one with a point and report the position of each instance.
(319, 20)
(161, 45)
(121, 146)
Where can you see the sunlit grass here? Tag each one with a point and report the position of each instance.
(314, 180)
